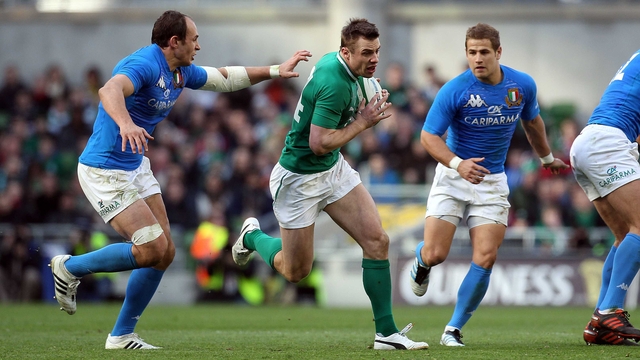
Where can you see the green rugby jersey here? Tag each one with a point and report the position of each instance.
(329, 99)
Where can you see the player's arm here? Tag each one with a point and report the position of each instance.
(232, 78)
(112, 96)
(469, 169)
(537, 137)
(323, 140)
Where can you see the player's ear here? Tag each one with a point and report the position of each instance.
(344, 51)
(499, 53)
(173, 41)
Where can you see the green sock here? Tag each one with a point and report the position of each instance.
(264, 244)
(376, 278)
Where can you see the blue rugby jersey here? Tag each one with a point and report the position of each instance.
(619, 106)
(481, 118)
(156, 90)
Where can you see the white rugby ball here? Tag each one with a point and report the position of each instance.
(368, 89)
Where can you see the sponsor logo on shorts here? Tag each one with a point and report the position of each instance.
(104, 210)
(615, 175)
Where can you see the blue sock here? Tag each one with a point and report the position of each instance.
(606, 275)
(418, 249)
(111, 258)
(140, 289)
(626, 263)
(471, 292)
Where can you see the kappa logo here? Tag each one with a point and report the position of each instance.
(475, 101)
(623, 286)
(161, 83)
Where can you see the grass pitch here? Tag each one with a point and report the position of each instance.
(240, 332)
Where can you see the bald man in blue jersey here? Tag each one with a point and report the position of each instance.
(116, 176)
(479, 111)
(605, 163)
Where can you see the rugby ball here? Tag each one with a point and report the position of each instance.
(368, 89)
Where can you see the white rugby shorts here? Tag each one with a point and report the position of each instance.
(112, 191)
(452, 195)
(603, 159)
(299, 198)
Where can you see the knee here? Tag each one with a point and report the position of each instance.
(155, 252)
(169, 255)
(378, 248)
(433, 256)
(296, 275)
(486, 260)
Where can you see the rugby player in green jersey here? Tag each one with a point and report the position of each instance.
(312, 176)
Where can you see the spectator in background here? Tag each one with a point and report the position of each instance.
(433, 82)
(96, 287)
(58, 116)
(25, 107)
(394, 81)
(381, 174)
(55, 84)
(12, 85)
(217, 275)
(48, 197)
(92, 83)
(13, 203)
(20, 260)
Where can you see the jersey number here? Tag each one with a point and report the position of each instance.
(300, 107)
(620, 73)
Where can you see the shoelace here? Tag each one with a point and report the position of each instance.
(625, 315)
(406, 329)
(72, 288)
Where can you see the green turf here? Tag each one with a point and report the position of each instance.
(241, 332)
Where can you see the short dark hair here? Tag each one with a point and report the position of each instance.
(170, 23)
(355, 29)
(483, 31)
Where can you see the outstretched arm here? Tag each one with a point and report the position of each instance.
(284, 70)
(537, 136)
(232, 78)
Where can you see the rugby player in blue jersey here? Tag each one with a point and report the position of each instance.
(116, 176)
(479, 110)
(605, 163)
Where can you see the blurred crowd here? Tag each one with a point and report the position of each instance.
(214, 153)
